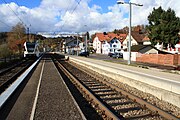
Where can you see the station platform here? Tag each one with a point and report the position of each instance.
(161, 84)
(45, 97)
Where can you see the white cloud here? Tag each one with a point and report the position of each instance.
(58, 15)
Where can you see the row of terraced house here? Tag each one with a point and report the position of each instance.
(105, 43)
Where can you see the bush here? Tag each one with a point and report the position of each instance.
(4, 51)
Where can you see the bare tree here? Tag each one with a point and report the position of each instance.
(16, 37)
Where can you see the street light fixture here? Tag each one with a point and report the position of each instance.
(129, 45)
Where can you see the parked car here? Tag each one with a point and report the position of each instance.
(84, 54)
(117, 55)
(110, 54)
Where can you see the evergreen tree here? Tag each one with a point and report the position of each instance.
(163, 27)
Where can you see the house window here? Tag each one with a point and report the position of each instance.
(114, 45)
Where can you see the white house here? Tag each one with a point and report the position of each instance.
(70, 45)
(126, 42)
(159, 46)
(115, 45)
(104, 43)
(97, 45)
(177, 47)
(105, 47)
(136, 39)
(174, 50)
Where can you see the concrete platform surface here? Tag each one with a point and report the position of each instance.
(161, 84)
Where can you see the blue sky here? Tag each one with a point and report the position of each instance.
(103, 3)
(35, 3)
(97, 15)
(27, 3)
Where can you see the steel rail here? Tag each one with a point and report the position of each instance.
(10, 90)
(106, 111)
(5, 83)
(140, 101)
(9, 68)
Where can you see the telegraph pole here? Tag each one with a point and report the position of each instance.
(28, 34)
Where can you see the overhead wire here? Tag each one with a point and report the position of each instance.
(26, 26)
(76, 6)
(13, 12)
(4, 23)
(78, 2)
(26, 16)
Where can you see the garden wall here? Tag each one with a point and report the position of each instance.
(162, 59)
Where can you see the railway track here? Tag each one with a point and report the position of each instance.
(8, 76)
(110, 101)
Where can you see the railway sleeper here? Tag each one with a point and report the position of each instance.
(119, 103)
(99, 87)
(101, 90)
(104, 94)
(89, 82)
(125, 110)
(111, 98)
(93, 85)
(143, 116)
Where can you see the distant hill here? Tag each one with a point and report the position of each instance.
(4, 35)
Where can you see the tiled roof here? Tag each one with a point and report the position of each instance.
(109, 36)
(138, 37)
(146, 38)
(122, 37)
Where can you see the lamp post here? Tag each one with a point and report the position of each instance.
(77, 46)
(85, 39)
(129, 42)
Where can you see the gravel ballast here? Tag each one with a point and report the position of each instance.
(174, 110)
